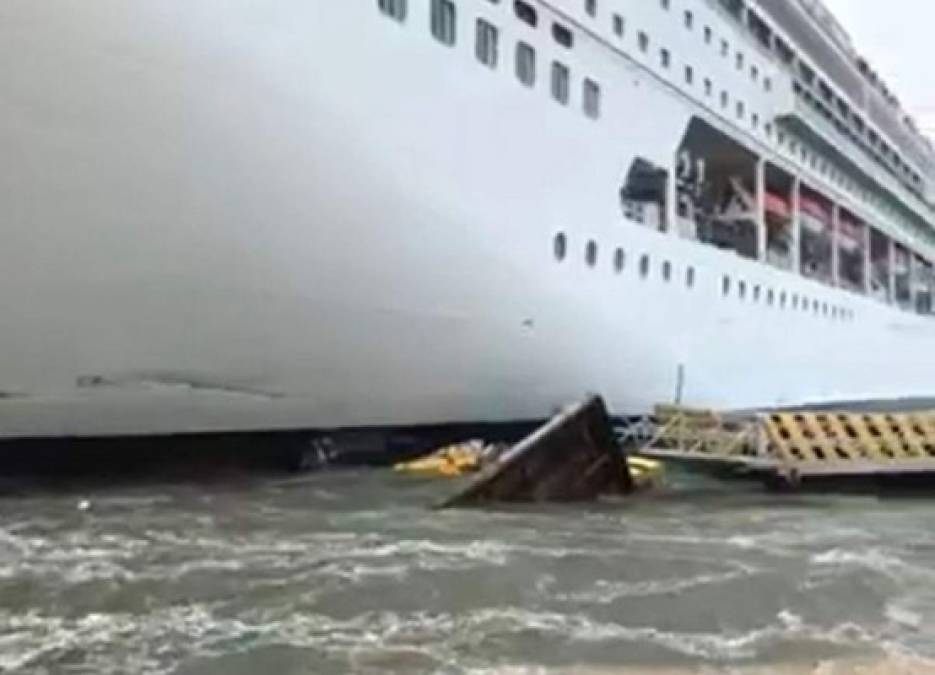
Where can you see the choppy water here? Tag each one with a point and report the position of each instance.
(349, 572)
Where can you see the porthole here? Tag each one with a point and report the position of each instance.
(644, 266)
(667, 270)
(590, 254)
(560, 246)
(690, 277)
(725, 285)
(620, 260)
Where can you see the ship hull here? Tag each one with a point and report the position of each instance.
(231, 216)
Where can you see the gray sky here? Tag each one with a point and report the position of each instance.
(898, 38)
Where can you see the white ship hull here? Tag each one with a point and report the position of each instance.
(246, 215)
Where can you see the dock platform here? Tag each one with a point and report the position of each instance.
(790, 448)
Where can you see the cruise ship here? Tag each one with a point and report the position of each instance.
(242, 215)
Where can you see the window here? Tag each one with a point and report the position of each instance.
(643, 40)
(525, 13)
(560, 77)
(665, 58)
(443, 19)
(590, 254)
(724, 99)
(562, 35)
(620, 260)
(770, 297)
(644, 265)
(689, 75)
(754, 73)
(590, 6)
(740, 109)
(739, 60)
(742, 289)
(667, 270)
(486, 43)
(395, 9)
(708, 35)
(618, 25)
(560, 246)
(725, 285)
(689, 19)
(755, 121)
(767, 84)
(690, 277)
(665, 4)
(592, 99)
(725, 48)
(708, 87)
(756, 293)
(526, 64)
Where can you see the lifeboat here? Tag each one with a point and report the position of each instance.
(850, 234)
(777, 207)
(815, 217)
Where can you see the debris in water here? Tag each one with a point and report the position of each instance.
(573, 457)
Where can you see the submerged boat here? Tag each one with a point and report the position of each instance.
(244, 215)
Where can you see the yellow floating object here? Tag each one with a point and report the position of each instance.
(449, 462)
(645, 472)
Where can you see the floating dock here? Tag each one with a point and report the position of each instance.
(790, 448)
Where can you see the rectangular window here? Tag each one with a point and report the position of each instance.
(665, 58)
(618, 25)
(560, 80)
(486, 45)
(526, 64)
(643, 41)
(393, 8)
(444, 21)
(590, 7)
(689, 19)
(592, 99)
(689, 75)
(563, 35)
(526, 13)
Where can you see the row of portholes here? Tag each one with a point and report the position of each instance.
(619, 260)
(756, 294)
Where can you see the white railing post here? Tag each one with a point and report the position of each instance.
(835, 248)
(796, 225)
(761, 240)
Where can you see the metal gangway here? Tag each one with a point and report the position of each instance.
(791, 447)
